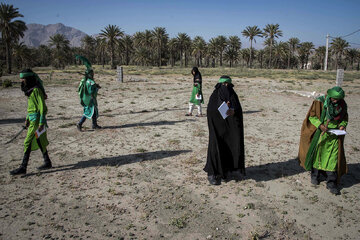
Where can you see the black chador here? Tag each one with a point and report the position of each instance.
(226, 136)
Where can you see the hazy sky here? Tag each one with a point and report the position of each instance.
(308, 20)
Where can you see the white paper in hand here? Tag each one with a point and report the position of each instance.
(337, 132)
(198, 97)
(38, 134)
(223, 109)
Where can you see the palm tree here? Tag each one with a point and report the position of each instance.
(260, 56)
(144, 40)
(245, 53)
(128, 48)
(22, 55)
(212, 52)
(184, 43)
(173, 50)
(305, 51)
(234, 43)
(351, 55)
(160, 38)
(320, 57)
(112, 33)
(293, 45)
(221, 44)
(251, 33)
(100, 50)
(231, 55)
(62, 46)
(281, 51)
(199, 48)
(43, 55)
(141, 56)
(338, 45)
(10, 30)
(271, 31)
(88, 44)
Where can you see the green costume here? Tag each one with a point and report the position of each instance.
(196, 90)
(33, 88)
(36, 116)
(325, 156)
(88, 93)
(88, 90)
(322, 152)
(324, 148)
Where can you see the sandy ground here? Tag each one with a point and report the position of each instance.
(141, 176)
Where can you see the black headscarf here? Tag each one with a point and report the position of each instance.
(197, 75)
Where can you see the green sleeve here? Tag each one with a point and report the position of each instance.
(343, 123)
(41, 106)
(315, 121)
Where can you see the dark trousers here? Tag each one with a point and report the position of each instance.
(331, 177)
(28, 151)
(94, 120)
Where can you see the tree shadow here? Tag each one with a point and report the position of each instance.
(158, 123)
(22, 120)
(113, 161)
(12, 120)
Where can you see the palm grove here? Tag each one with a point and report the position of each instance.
(155, 48)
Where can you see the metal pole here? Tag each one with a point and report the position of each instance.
(326, 53)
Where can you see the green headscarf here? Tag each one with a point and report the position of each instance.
(224, 79)
(38, 80)
(333, 109)
(336, 93)
(87, 64)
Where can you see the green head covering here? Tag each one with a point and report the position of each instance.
(87, 64)
(224, 79)
(336, 93)
(27, 74)
(30, 73)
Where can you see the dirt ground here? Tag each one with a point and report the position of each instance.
(141, 176)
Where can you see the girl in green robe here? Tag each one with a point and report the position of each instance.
(196, 97)
(35, 120)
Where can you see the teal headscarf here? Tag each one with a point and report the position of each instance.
(224, 79)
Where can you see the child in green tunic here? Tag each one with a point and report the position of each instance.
(88, 92)
(35, 120)
(196, 94)
(324, 149)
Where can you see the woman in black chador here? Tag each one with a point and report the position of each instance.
(226, 136)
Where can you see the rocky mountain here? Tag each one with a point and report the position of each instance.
(38, 34)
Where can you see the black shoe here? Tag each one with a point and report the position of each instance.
(188, 114)
(96, 127)
(78, 126)
(46, 165)
(315, 181)
(334, 190)
(213, 180)
(18, 171)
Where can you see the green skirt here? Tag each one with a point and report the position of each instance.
(196, 90)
